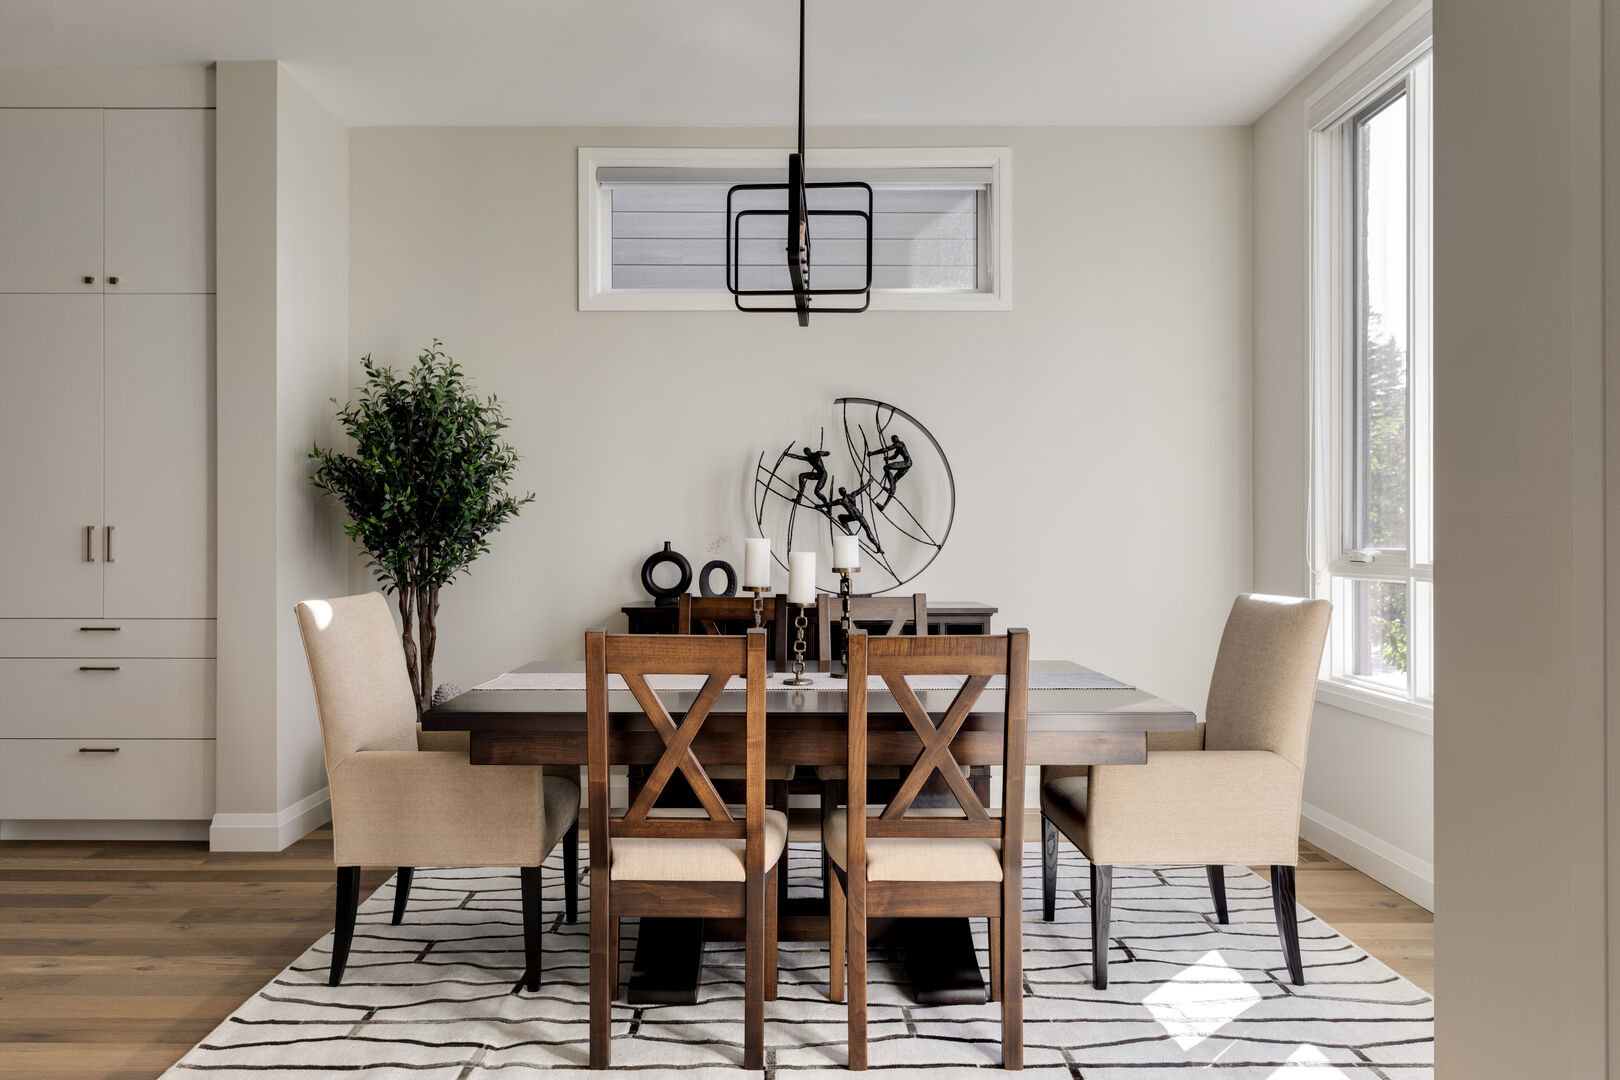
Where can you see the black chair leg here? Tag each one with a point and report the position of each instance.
(402, 891)
(529, 876)
(1049, 861)
(1102, 897)
(348, 902)
(1283, 901)
(1217, 889)
(571, 873)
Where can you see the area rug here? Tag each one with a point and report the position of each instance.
(434, 997)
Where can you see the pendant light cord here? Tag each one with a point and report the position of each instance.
(801, 80)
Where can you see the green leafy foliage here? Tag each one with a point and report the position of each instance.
(425, 487)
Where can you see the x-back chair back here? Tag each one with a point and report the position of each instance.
(679, 864)
(881, 616)
(974, 861)
(718, 616)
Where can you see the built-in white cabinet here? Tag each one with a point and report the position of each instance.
(107, 451)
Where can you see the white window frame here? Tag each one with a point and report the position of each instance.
(1335, 566)
(595, 254)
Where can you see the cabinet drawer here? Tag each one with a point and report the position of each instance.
(141, 699)
(181, 638)
(95, 779)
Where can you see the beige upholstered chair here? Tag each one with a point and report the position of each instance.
(1228, 793)
(395, 802)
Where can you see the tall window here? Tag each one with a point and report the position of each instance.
(1372, 514)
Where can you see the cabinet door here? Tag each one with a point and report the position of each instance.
(50, 200)
(160, 456)
(160, 200)
(50, 456)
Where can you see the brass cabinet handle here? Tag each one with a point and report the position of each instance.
(89, 543)
(89, 279)
(109, 553)
(94, 667)
(100, 629)
(99, 749)
(112, 281)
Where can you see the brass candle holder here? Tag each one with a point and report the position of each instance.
(843, 573)
(799, 623)
(759, 592)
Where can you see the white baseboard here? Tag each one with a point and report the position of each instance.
(103, 830)
(1380, 860)
(271, 832)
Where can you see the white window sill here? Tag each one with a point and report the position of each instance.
(1370, 703)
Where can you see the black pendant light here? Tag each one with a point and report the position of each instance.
(798, 217)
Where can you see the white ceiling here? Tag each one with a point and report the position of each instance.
(660, 62)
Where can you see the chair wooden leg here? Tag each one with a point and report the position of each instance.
(1102, 892)
(830, 798)
(348, 903)
(603, 990)
(1283, 902)
(570, 846)
(1049, 861)
(995, 958)
(1012, 976)
(855, 937)
(836, 929)
(772, 935)
(529, 878)
(754, 981)
(402, 891)
(780, 801)
(613, 958)
(1217, 889)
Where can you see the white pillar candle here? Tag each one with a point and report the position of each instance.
(846, 552)
(802, 577)
(756, 564)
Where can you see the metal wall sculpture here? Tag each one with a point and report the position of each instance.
(891, 486)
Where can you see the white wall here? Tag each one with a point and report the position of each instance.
(1523, 939)
(1099, 431)
(1369, 787)
(282, 177)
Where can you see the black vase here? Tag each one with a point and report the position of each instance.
(666, 596)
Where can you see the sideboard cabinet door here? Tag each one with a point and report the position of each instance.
(50, 200)
(160, 200)
(50, 444)
(160, 456)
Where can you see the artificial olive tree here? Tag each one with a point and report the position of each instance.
(424, 488)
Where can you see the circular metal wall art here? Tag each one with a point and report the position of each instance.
(889, 484)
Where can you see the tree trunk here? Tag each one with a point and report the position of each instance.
(407, 602)
(427, 609)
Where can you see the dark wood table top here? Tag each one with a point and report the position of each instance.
(1066, 727)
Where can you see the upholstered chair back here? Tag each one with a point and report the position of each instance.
(362, 691)
(1264, 684)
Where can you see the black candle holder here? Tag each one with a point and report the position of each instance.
(843, 573)
(799, 623)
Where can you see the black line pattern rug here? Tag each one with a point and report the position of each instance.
(434, 998)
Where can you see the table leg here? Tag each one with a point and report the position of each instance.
(668, 967)
(941, 962)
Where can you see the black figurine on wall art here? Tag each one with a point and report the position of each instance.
(894, 490)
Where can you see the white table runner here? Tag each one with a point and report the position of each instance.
(575, 680)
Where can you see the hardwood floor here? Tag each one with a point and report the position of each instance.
(116, 958)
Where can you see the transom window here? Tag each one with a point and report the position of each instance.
(653, 226)
(1372, 504)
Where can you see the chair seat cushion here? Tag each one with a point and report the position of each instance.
(559, 799)
(740, 772)
(1211, 807)
(890, 858)
(645, 858)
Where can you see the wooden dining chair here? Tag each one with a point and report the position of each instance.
(925, 865)
(396, 800)
(679, 863)
(889, 616)
(1226, 794)
(720, 615)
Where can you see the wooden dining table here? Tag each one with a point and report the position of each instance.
(806, 727)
